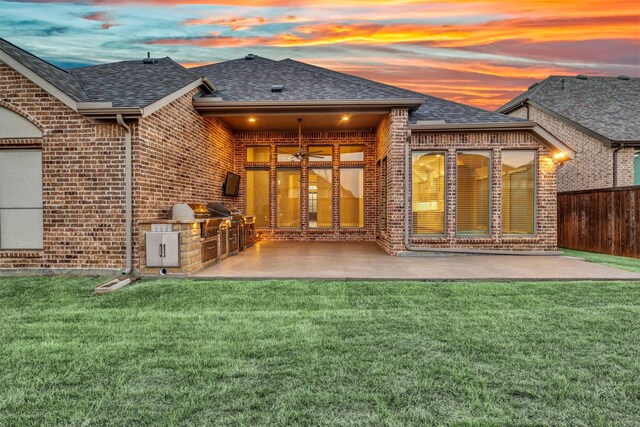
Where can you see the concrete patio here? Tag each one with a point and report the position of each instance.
(366, 260)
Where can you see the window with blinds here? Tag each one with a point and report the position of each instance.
(473, 184)
(427, 195)
(289, 198)
(257, 192)
(518, 191)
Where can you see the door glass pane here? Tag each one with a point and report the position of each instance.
(21, 228)
(352, 197)
(428, 192)
(322, 153)
(351, 153)
(473, 186)
(285, 153)
(258, 154)
(257, 182)
(289, 198)
(518, 192)
(20, 179)
(320, 198)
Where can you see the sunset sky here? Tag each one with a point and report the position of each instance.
(477, 52)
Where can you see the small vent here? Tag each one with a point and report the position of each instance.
(582, 77)
(149, 61)
(277, 88)
(250, 57)
(533, 85)
(624, 78)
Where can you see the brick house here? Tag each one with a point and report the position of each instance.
(597, 117)
(90, 156)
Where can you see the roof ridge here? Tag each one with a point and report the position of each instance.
(345, 76)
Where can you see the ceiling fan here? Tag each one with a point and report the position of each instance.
(300, 153)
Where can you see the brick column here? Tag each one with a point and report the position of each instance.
(397, 138)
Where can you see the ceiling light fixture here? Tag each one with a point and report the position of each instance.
(252, 119)
(345, 118)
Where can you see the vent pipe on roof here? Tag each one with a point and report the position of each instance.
(562, 82)
(624, 78)
(582, 77)
(277, 88)
(250, 56)
(148, 54)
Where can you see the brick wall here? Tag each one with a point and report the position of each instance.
(593, 164)
(179, 157)
(309, 140)
(83, 182)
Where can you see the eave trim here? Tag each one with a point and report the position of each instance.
(41, 82)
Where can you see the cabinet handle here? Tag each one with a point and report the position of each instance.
(160, 246)
(210, 247)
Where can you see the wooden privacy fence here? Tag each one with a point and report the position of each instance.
(604, 221)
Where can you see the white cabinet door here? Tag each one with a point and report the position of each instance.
(154, 249)
(171, 249)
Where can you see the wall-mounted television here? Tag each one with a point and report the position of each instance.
(231, 185)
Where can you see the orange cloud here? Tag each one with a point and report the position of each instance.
(104, 17)
(539, 30)
(234, 23)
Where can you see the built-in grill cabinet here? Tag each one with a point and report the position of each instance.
(210, 233)
(249, 230)
(233, 219)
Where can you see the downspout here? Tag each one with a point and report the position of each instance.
(615, 163)
(127, 190)
(407, 222)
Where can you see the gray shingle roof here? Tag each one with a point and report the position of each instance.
(125, 84)
(608, 106)
(251, 80)
(133, 83)
(61, 79)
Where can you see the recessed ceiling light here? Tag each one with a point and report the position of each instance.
(252, 119)
(345, 118)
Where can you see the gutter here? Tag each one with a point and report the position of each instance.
(218, 105)
(407, 244)
(128, 204)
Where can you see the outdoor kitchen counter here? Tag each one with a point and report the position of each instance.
(190, 246)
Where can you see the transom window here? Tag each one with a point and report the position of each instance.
(286, 153)
(320, 153)
(258, 154)
(352, 153)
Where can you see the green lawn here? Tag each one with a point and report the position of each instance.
(623, 263)
(182, 352)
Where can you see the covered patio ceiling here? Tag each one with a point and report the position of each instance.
(310, 121)
(319, 114)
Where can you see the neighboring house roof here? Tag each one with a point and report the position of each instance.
(133, 83)
(251, 80)
(605, 106)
